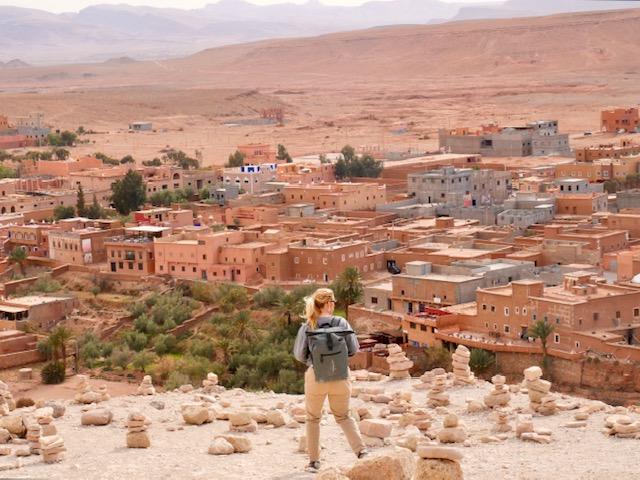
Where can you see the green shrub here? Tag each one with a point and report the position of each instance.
(142, 360)
(121, 356)
(135, 340)
(481, 360)
(175, 380)
(45, 284)
(165, 343)
(268, 297)
(434, 357)
(52, 373)
(202, 348)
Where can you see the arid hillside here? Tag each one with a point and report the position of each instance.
(391, 87)
(587, 42)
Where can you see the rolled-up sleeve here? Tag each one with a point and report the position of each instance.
(301, 346)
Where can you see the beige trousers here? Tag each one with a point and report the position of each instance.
(339, 393)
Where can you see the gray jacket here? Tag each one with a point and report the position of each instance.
(301, 347)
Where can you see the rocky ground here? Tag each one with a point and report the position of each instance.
(180, 451)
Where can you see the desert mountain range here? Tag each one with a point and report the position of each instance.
(588, 42)
(101, 32)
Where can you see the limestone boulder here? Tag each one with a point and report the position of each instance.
(194, 413)
(437, 469)
(138, 440)
(14, 424)
(376, 428)
(240, 443)
(331, 474)
(397, 465)
(220, 446)
(97, 417)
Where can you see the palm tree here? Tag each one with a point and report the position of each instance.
(348, 288)
(243, 327)
(289, 305)
(227, 347)
(58, 338)
(18, 256)
(230, 297)
(542, 329)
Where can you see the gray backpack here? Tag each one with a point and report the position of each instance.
(329, 353)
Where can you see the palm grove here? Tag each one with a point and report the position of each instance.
(247, 341)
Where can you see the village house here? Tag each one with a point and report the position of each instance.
(306, 173)
(40, 312)
(535, 138)
(80, 247)
(596, 152)
(337, 196)
(620, 119)
(460, 187)
(257, 153)
(251, 178)
(320, 261)
(33, 237)
(230, 255)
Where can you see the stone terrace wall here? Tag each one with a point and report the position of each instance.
(611, 381)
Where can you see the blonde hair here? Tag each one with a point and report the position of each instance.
(314, 304)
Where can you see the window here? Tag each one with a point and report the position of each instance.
(618, 314)
(507, 329)
(556, 338)
(173, 268)
(493, 308)
(139, 266)
(577, 344)
(506, 311)
(412, 325)
(595, 316)
(636, 312)
(517, 310)
(423, 328)
(374, 300)
(401, 292)
(524, 310)
(484, 306)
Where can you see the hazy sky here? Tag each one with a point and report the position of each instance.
(75, 5)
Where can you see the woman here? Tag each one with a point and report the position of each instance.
(319, 314)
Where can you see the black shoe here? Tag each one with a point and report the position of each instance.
(363, 453)
(313, 467)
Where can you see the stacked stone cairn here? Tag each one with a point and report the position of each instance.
(438, 462)
(34, 432)
(242, 421)
(210, 384)
(400, 402)
(7, 403)
(374, 431)
(146, 386)
(419, 418)
(104, 394)
(137, 436)
(526, 431)
(499, 396)
(461, 369)
(44, 417)
(399, 364)
(437, 396)
(5, 393)
(452, 431)
(502, 422)
(85, 394)
(52, 448)
(622, 426)
(540, 400)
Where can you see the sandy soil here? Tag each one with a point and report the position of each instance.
(99, 452)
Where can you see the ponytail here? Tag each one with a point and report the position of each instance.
(315, 303)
